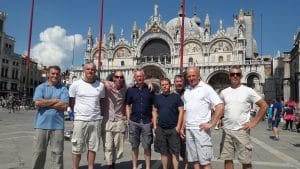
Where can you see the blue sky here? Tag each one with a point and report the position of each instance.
(57, 21)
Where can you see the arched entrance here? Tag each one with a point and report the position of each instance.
(219, 81)
(155, 51)
(253, 82)
(153, 74)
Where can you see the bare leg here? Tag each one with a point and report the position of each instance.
(175, 160)
(164, 161)
(134, 155)
(91, 159)
(276, 132)
(76, 159)
(228, 164)
(196, 165)
(147, 157)
(208, 166)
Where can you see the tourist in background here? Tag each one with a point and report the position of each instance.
(277, 113)
(270, 116)
(289, 117)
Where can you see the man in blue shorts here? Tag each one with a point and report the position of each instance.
(277, 111)
(168, 109)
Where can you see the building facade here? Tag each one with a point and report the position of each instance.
(13, 72)
(291, 83)
(156, 50)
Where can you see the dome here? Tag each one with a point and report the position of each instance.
(197, 20)
(189, 24)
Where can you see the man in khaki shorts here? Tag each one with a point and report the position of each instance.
(238, 100)
(113, 124)
(85, 95)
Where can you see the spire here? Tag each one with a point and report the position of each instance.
(104, 40)
(90, 33)
(111, 30)
(112, 37)
(156, 16)
(155, 10)
(89, 40)
(134, 28)
(241, 16)
(221, 24)
(207, 22)
(89, 45)
(122, 33)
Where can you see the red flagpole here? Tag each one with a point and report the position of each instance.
(182, 35)
(29, 36)
(27, 57)
(100, 39)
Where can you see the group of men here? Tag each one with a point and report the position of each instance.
(179, 121)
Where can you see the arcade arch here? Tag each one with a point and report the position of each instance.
(219, 81)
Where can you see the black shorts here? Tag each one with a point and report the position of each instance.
(167, 141)
(182, 148)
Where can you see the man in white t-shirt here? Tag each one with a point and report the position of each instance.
(238, 100)
(85, 95)
(199, 98)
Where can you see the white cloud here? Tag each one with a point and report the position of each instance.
(56, 48)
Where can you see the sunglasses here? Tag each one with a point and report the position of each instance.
(119, 77)
(235, 74)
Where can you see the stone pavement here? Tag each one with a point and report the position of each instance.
(16, 134)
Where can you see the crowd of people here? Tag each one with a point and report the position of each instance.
(178, 121)
(287, 113)
(14, 104)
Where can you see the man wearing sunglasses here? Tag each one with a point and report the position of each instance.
(113, 125)
(238, 100)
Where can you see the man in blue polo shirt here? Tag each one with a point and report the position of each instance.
(139, 102)
(169, 108)
(51, 99)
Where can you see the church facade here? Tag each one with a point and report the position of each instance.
(156, 49)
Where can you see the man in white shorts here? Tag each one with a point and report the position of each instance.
(85, 95)
(199, 98)
(238, 100)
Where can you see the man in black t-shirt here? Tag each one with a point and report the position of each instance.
(168, 109)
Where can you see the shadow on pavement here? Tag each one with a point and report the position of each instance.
(296, 145)
(121, 165)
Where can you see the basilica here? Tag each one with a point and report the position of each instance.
(156, 49)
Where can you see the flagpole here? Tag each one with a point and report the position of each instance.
(27, 57)
(182, 35)
(100, 38)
